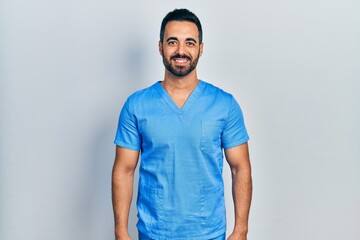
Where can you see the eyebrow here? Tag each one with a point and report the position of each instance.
(171, 39)
(176, 39)
(191, 39)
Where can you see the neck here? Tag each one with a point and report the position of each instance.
(174, 83)
(180, 88)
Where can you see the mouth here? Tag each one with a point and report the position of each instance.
(181, 60)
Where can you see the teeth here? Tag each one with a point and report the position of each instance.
(181, 60)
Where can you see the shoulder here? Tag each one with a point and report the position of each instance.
(143, 92)
(216, 92)
(142, 95)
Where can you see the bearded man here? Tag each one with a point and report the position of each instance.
(181, 126)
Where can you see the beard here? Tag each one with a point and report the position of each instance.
(180, 71)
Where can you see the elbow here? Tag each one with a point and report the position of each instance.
(241, 171)
(122, 172)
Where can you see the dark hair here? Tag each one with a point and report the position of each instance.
(180, 15)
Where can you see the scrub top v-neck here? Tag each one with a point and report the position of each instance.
(181, 194)
(188, 103)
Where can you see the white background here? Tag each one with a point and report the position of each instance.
(67, 67)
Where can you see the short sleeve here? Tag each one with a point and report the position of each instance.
(234, 132)
(127, 134)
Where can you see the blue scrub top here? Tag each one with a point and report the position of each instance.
(181, 193)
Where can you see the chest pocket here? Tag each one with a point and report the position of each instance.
(211, 136)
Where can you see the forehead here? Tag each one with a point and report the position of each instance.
(181, 29)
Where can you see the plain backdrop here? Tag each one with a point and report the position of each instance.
(67, 67)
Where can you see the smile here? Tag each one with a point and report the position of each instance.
(181, 60)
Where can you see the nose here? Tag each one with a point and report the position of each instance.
(181, 48)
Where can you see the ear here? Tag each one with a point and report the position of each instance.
(160, 48)
(201, 48)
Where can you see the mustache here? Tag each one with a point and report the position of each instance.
(180, 56)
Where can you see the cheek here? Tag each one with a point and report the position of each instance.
(196, 53)
(168, 53)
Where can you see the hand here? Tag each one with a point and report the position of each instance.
(237, 236)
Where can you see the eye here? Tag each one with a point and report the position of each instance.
(171, 43)
(191, 44)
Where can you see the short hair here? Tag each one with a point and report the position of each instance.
(180, 15)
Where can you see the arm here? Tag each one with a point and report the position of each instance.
(122, 189)
(238, 159)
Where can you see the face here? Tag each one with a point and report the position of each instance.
(180, 49)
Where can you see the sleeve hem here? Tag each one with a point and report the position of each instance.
(127, 146)
(236, 143)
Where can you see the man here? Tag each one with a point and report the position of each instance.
(181, 126)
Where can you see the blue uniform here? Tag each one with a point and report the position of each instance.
(181, 193)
